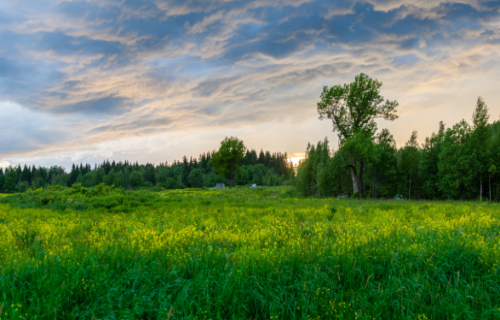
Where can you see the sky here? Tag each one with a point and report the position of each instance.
(152, 81)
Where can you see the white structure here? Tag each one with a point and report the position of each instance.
(220, 186)
(254, 185)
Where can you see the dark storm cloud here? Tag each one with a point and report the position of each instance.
(151, 62)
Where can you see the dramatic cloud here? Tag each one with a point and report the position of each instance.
(80, 77)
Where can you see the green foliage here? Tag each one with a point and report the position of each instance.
(2, 183)
(195, 178)
(409, 163)
(242, 177)
(10, 180)
(428, 166)
(22, 186)
(456, 162)
(315, 174)
(492, 169)
(136, 179)
(354, 107)
(119, 179)
(171, 184)
(109, 179)
(107, 198)
(358, 147)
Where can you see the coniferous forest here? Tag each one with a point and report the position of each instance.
(261, 168)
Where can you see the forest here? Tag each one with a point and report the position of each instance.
(263, 168)
(458, 162)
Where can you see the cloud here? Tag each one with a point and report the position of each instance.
(106, 105)
(406, 60)
(25, 131)
(102, 71)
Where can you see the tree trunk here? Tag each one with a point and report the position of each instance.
(409, 191)
(232, 178)
(480, 189)
(354, 177)
(496, 198)
(489, 180)
(317, 186)
(338, 190)
(373, 190)
(361, 179)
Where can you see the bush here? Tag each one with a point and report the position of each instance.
(171, 184)
(195, 178)
(22, 186)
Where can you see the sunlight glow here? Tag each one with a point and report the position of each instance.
(4, 164)
(295, 160)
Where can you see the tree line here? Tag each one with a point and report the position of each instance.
(458, 162)
(263, 168)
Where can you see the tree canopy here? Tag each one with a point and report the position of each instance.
(225, 160)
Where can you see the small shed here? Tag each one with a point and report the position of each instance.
(254, 185)
(220, 186)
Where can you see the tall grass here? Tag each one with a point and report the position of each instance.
(250, 254)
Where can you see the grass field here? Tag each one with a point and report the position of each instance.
(245, 254)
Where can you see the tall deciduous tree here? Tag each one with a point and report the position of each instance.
(225, 161)
(353, 109)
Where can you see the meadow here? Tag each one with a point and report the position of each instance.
(104, 253)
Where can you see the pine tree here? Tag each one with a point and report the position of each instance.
(26, 174)
(11, 177)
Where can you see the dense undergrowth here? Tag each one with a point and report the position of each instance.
(244, 254)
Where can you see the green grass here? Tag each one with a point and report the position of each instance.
(245, 254)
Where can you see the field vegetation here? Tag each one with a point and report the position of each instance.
(108, 253)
